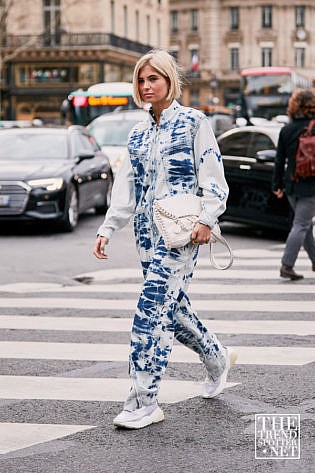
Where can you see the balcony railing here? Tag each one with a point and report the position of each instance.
(63, 39)
(192, 75)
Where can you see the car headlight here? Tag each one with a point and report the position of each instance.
(50, 184)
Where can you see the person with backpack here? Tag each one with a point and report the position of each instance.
(299, 186)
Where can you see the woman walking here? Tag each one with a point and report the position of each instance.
(173, 152)
(301, 191)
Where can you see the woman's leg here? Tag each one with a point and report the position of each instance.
(190, 331)
(309, 241)
(160, 312)
(303, 214)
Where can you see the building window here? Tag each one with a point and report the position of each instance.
(112, 17)
(3, 26)
(266, 57)
(234, 18)
(174, 53)
(112, 72)
(174, 21)
(194, 60)
(158, 27)
(300, 57)
(234, 59)
(148, 21)
(194, 20)
(137, 25)
(300, 16)
(31, 75)
(52, 22)
(194, 98)
(266, 19)
(125, 21)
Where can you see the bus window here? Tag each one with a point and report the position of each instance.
(82, 106)
(265, 91)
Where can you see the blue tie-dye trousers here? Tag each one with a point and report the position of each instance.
(164, 311)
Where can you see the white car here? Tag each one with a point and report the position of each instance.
(111, 132)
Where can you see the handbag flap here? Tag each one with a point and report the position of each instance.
(180, 205)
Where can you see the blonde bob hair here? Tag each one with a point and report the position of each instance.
(164, 64)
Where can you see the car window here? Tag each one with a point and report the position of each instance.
(33, 146)
(235, 144)
(82, 142)
(112, 132)
(94, 143)
(259, 142)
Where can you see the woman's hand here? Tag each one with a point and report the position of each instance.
(201, 234)
(278, 193)
(99, 247)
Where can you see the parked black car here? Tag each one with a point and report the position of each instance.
(248, 155)
(52, 173)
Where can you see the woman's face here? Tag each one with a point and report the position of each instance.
(153, 87)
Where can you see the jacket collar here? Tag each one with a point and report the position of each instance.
(167, 113)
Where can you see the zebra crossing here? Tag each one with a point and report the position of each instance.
(248, 300)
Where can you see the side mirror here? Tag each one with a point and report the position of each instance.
(266, 155)
(84, 154)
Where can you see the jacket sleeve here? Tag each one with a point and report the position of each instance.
(122, 205)
(280, 160)
(210, 172)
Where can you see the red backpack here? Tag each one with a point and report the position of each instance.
(305, 154)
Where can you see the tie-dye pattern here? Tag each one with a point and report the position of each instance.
(179, 156)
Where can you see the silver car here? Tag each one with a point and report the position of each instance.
(111, 132)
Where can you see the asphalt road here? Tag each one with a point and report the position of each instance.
(63, 359)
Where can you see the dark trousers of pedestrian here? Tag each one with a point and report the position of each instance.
(301, 233)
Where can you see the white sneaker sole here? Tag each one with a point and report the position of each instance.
(221, 386)
(155, 417)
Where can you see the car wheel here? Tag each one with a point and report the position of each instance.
(71, 213)
(102, 209)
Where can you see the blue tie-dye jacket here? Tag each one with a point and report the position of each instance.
(181, 155)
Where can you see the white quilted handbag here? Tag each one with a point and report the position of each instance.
(176, 216)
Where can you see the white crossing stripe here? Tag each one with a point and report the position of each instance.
(273, 252)
(270, 355)
(266, 263)
(15, 436)
(90, 389)
(130, 304)
(110, 324)
(126, 273)
(284, 287)
(260, 262)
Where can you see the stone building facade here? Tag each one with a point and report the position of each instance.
(51, 47)
(215, 39)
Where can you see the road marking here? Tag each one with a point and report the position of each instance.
(110, 324)
(259, 262)
(123, 274)
(283, 287)
(252, 355)
(130, 304)
(15, 436)
(90, 389)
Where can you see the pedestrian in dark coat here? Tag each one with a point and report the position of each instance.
(301, 192)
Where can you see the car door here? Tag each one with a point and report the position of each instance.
(87, 171)
(238, 164)
(260, 199)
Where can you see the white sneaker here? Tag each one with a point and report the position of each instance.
(139, 418)
(212, 388)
